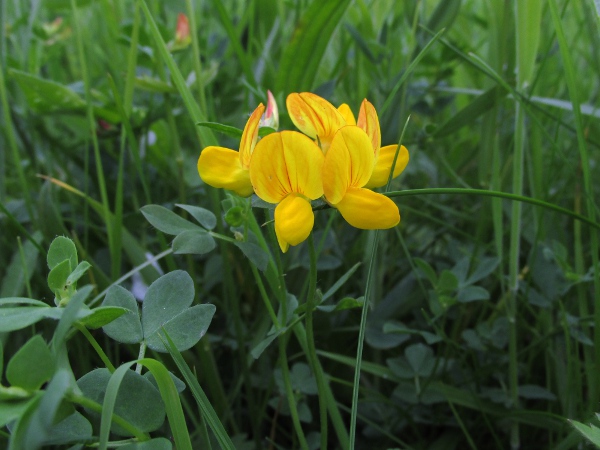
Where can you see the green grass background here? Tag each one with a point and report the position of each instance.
(485, 329)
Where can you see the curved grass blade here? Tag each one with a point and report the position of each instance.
(208, 411)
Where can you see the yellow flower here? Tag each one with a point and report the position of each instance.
(347, 169)
(318, 118)
(286, 169)
(222, 167)
(315, 117)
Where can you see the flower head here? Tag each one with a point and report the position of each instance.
(222, 167)
(319, 119)
(315, 117)
(346, 171)
(286, 169)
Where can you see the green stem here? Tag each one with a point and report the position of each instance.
(265, 297)
(285, 372)
(310, 338)
(96, 346)
(498, 194)
(12, 143)
(361, 340)
(142, 353)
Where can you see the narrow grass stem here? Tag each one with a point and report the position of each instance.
(265, 297)
(83, 330)
(361, 339)
(312, 354)
(285, 374)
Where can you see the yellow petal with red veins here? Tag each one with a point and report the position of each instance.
(250, 136)
(314, 116)
(348, 163)
(369, 122)
(363, 208)
(294, 220)
(383, 165)
(347, 114)
(220, 167)
(284, 163)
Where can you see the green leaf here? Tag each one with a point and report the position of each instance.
(78, 272)
(265, 131)
(205, 217)
(197, 242)
(302, 55)
(235, 216)
(74, 428)
(12, 319)
(426, 269)
(166, 220)
(186, 328)
(472, 294)
(57, 278)
(31, 366)
(590, 432)
(45, 96)
(127, 328)
(223, 129)
(447, 282)
(167, 306)
(255, 254)
(12, 410)
(102, 316)
(420, 358)
(262, 345)
(339, 283)
(532, 391)
(60, 249)
(138, 401)
(21, 300)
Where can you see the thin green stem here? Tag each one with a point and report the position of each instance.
(141, 355)
(96, 346)
(265, 297)
(12, 143)
(285, 374)
(361, 340)
(312, 353)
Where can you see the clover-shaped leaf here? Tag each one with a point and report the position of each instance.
(127, 328)
(167, 305)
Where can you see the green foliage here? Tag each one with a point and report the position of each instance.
(482, 326)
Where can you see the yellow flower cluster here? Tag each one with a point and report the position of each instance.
(338, 157)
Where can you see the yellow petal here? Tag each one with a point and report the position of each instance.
(368, 121)
(314, 116)
(383, 165)
(349, 162)
(220, 167)
(250, 136)
(284, 163)
(294, 220)
(363, 208)
(346, 113)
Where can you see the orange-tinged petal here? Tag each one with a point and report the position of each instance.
(314, 116)
(284, 163)
(294, 220)
(347, 114)
(368, 121)
(363, 208)
(220, 167)
(348, 163)
(383, 165)
(250, 136)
